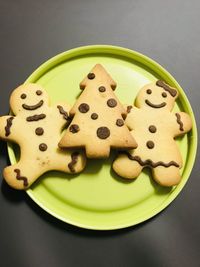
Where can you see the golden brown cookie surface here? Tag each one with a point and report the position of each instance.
(37, 128)
(154, 128)
(98, 123)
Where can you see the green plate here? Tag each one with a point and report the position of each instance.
(97, 198)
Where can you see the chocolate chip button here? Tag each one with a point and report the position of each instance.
(91, 76)
(94, 116)
(74, 128)
(102, 89)
(119, 122)
(152, 129)
(43, 147)
(39, 131)
(149, 91)
(103, 132)
(112, 103)
(150, 144)
(84, 108)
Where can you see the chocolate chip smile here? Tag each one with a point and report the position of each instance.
(38, 105)
(154, 105)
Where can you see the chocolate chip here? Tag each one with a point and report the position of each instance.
(102, 89)
(164, 94)
(149, 91)
(103, 132)
(23, 96)
(152, 129)
(74, 128)
(94, 116)
(128, 109)
(91, 76)
(119, 122)
(43, 147)
(39, 131)
(150, 144)
(38, 92)
(124, 116)
(112, 103)
(84, 108)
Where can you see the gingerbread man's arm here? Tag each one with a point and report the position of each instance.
(132, 112)
(8, 128)
(183, 123)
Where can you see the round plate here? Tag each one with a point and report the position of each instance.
(97, 198)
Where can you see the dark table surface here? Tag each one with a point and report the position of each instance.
(33, 31)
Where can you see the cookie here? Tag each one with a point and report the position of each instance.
(154, 127)
(98, 123)
(37, 128)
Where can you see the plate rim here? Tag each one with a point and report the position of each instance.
(135, 55)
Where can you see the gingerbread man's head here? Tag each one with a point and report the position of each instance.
(157, 95)
(28, 97)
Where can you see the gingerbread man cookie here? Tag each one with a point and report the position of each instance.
(154, 128)
(37, 128)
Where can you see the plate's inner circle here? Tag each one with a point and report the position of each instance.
(98, 192)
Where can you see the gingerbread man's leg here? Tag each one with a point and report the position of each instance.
(126, 167)
(22, 174)
(69, 161)
(166, 176)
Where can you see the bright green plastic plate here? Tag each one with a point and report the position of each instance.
(97, 198)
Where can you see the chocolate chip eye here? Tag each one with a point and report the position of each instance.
(149, 91)
(164, 94)
(23, 96)
(38, 92)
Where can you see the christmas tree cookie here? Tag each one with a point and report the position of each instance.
(36, 127)
(154, 128)
(98, 123)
